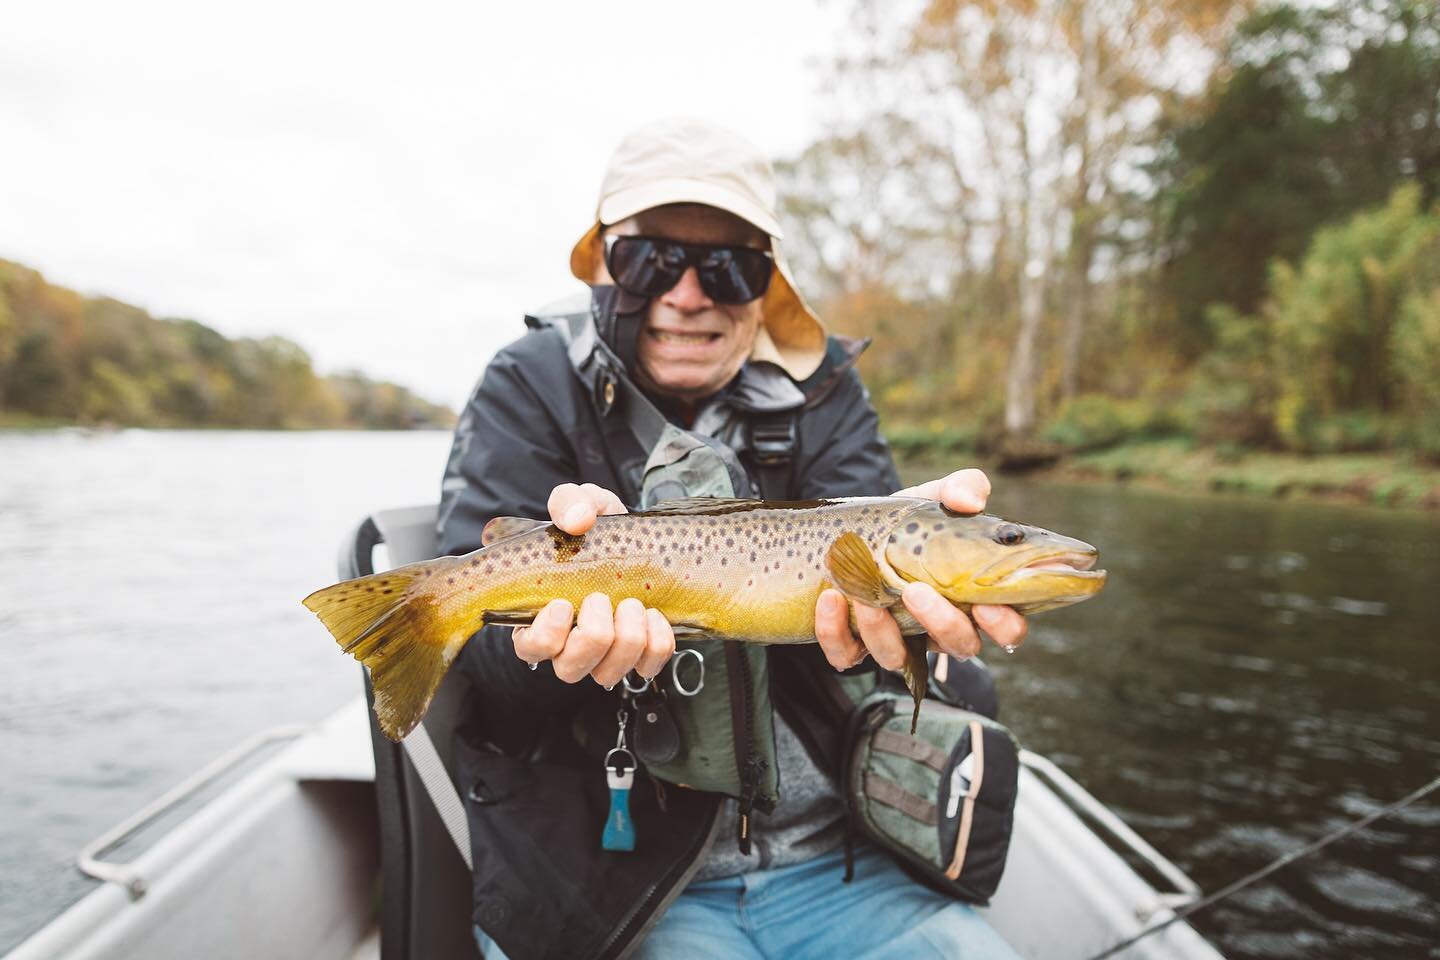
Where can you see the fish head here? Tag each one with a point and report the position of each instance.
(979, 558)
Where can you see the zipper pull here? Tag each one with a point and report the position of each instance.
(619, 832)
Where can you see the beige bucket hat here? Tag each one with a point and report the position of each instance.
(694, 161)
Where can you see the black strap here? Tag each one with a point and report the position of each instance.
(773, 441)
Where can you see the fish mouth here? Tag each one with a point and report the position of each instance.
(1077, 565)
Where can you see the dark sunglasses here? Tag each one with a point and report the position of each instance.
(649, 266)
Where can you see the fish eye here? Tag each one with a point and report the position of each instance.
(1009, 535)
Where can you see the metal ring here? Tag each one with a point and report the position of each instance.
(675, 672)
(631, 689)
(620, 766)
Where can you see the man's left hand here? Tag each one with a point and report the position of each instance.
(951, 631)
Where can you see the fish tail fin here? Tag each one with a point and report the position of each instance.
(392, 623)
(916, 672)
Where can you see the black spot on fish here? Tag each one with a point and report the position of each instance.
(911, 527)
(918, 550)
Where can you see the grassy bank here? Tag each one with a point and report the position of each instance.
(1377, 479)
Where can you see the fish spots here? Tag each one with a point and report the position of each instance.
(647, 586)
(938, 527)
(449, 580)
(918, 550)
(912, 527)
(473, 565)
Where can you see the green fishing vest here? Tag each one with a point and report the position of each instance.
(727, 730)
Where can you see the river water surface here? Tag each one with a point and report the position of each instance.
(1255, 674)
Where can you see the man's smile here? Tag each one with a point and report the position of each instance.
(683, 338)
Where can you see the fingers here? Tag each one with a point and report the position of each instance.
(1002, 624)
(574, 507)
(881, 636)
(950, 629)
(598, 643)
(629, 631)
(659, 644)
(832, 630)
(545, 637)
(590, 640)
(964, 491)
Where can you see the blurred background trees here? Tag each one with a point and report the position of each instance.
(1076, 223)
(69, 358)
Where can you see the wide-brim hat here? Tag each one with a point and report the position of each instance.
(693, 161)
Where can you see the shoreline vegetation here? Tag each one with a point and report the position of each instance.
(1384, 479)
(67, 359)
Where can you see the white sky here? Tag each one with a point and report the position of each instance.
(389, 185)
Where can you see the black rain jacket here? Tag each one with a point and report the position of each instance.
(532, 751)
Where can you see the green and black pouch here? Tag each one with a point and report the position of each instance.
(942, 800)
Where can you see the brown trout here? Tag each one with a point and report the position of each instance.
(746, 570)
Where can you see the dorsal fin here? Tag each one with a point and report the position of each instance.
(704, 505)
(503, 528)
(680, 506)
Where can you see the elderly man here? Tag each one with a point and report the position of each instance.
(698, 370)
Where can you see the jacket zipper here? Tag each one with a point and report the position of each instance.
(624, 935)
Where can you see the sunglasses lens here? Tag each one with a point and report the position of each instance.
(643, 266)
(735, 274)
(648, 267)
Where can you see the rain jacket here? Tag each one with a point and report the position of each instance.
(531, 755)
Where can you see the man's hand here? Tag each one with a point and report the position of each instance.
(602, 643)
(952, 632)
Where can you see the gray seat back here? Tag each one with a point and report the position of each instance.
(425, 900)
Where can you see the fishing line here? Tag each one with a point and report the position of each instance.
(1265, 871)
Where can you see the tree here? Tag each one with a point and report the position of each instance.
(1316, 113)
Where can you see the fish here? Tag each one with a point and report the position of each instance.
(736, 569)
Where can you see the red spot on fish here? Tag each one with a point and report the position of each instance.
(450, 580)
(647, 586)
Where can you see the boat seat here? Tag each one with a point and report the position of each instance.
(425, 886)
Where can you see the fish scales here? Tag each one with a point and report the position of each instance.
(752, 574)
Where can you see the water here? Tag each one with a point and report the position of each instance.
(1254, 675)
(150, 617)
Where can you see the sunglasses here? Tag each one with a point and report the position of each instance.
(649, 266)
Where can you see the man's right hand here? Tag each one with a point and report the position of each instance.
(602, 643)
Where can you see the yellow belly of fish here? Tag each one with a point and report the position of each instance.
(777, 606)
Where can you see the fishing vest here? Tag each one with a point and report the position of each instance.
(742, 443)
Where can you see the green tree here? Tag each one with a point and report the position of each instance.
(1317, 112)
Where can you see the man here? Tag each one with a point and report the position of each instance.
(699, 370)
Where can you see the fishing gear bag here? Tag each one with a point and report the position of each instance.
(943, 800)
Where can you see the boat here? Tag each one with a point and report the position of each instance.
(291, 846)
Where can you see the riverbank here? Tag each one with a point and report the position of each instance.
(1373, 479)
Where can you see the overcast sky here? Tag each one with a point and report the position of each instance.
(389, 185)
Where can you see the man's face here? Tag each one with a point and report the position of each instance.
(690, 346)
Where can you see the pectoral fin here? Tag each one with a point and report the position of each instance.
(853, 568)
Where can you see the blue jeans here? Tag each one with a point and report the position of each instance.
(805, 910)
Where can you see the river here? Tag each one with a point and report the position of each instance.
(1255, 674)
